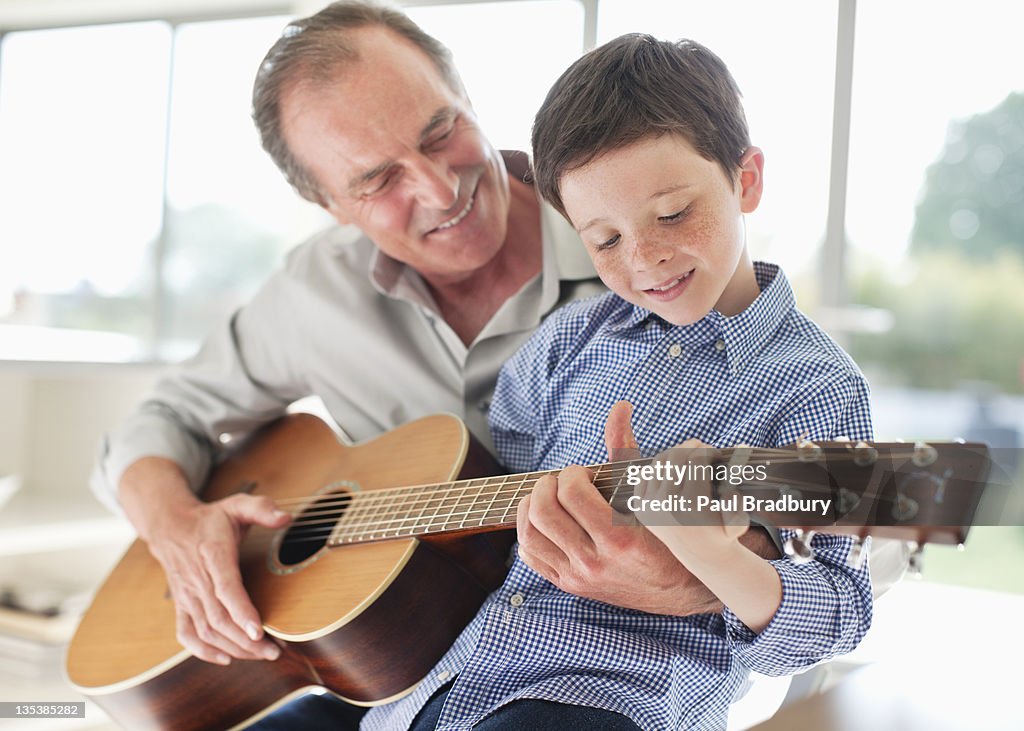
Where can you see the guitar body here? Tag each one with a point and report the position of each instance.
(366, 621)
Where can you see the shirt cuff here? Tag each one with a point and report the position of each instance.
(824, 612)
(146, 435)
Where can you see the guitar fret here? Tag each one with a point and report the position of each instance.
(417, 523)
(486, 518)
(468, 512)
(407, 525)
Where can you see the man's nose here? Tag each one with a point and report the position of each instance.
(436, 184)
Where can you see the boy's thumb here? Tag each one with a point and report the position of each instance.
(618, 431)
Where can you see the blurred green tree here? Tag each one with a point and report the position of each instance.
(958, 308)
(973, 199)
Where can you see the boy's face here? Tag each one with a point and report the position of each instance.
(664, 227)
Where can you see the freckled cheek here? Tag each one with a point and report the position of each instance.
(614, 272)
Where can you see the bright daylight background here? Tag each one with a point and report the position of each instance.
(137, 209)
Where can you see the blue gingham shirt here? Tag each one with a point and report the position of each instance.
(764, 377)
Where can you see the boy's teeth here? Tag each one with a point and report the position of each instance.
(671, 284)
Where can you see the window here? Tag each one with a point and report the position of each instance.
(81, 156)
(137, 205)
(936, 191)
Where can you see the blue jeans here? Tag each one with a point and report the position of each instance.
(327, 713)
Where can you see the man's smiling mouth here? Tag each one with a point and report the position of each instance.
(454, 220)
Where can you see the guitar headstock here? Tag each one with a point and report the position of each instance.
(924, 492)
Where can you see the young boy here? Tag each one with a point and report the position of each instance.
(643, 146)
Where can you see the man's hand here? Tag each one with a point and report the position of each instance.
(196, 543)
(567, 536)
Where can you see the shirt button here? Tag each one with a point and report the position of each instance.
(719, 345)
(675, 351)
(516, 599)
(443, 675)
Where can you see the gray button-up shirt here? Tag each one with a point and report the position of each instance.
(344, 322)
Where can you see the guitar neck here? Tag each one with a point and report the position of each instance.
(917, 492)
(476, 505)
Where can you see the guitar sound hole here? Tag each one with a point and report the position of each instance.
(310, 530)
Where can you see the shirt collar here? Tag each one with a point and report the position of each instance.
(744, 334)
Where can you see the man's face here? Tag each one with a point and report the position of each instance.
(663, 225)
(398, 153)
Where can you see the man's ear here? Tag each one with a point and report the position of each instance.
(751, 179)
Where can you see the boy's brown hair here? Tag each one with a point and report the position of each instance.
(634, 87)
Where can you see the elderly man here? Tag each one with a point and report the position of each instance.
(449, 264)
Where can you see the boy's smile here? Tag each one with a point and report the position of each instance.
(664, 226)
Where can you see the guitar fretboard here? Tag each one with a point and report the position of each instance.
(489, 502)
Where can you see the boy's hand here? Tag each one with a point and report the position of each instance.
(566, 534)
(693, 532)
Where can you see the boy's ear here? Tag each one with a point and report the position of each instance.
(751, 179)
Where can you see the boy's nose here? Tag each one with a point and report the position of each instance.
(648, 253)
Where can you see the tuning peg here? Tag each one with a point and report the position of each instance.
(789, 490)
(798, 547)
(915, 565)
(855, 559)
(848, 501)
(924, 454)
(864, 454)
(807, 451)
(904, 508)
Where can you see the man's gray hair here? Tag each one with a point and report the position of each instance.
(310, 51)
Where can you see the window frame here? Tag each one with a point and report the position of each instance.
(67, 13)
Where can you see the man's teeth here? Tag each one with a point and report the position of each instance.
(461, 214)
(671, 284)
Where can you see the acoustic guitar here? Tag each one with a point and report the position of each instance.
(396, 542)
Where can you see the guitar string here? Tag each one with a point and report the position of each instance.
(412, 496)
(437, 494)
(427, 495)
(441, 496)
(375, 527)
(387, 494)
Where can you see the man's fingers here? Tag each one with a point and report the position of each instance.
(231, 611)
(589, 509)
(227, 609)
(189, 639)
(258, 509)
(548, 513)
(533, 543)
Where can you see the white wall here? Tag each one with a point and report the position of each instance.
(54, 417)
